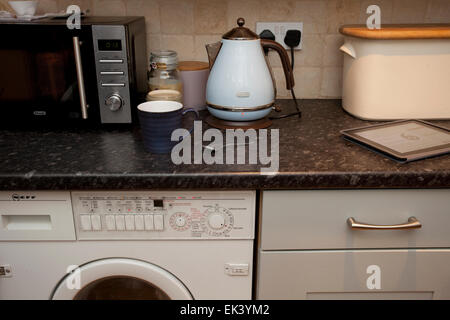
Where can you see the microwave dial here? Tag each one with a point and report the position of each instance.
(114, 102)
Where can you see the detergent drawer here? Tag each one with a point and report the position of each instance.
(36, 215)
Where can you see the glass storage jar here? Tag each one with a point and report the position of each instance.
(164, 71)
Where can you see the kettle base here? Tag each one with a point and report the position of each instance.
(244, 125)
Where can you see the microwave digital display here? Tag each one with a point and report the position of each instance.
(110, 45)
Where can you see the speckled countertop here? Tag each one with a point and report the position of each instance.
(313, 154)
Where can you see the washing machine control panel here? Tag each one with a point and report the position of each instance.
(164, 214)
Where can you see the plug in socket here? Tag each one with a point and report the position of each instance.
(279, 29)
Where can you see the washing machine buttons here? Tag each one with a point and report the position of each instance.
(85, 220)
(114, 216)
(148, 215)
(158, 220)
(148, 222)
(129, 222)
(96, 222)
(139, 222)
(120, 222)
(110, 222)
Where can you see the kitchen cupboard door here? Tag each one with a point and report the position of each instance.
(354, 274)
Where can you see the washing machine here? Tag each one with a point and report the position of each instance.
(126, 245)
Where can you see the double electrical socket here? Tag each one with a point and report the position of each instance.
(279, 29)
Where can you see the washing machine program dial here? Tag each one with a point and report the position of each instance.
(180, 221)
(217, 221)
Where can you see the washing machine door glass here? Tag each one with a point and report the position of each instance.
(121, 279)
(121, 288)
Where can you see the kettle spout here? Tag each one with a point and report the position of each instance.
(213, 50)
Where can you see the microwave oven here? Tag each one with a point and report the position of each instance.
(93, 75)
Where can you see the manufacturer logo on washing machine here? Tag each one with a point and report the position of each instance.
(18, 197)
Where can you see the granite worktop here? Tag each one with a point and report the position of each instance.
(312, 154)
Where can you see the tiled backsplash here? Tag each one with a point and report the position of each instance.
(187, 25)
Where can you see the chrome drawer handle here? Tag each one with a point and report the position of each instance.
(412, 223)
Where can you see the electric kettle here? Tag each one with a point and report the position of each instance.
(240, 85)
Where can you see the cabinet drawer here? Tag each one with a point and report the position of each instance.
(317, 219)
(357, 274)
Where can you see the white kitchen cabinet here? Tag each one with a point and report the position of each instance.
(307, 250)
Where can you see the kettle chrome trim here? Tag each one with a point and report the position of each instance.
(240, 109)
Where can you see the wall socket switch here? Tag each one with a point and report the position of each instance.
(279, 29)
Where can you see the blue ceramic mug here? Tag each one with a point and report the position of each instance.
(158, 120)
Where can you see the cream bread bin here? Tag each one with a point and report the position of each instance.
(397, 72)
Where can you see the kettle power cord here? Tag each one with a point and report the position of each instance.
(292, 39)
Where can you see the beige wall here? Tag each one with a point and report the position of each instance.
(187, 25)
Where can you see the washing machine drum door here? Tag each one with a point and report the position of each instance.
(120, 279)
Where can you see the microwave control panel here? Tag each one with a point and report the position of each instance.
(164, 215)
(111, 65)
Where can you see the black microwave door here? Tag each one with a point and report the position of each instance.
(38, 78)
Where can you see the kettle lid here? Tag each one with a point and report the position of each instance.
(240, 32)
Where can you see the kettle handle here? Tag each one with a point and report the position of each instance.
(287, 67)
